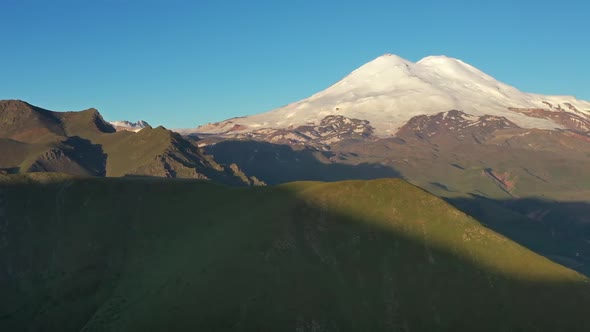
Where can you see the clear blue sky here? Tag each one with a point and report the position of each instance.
(184, 63)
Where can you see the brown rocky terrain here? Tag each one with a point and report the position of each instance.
(331, 129)
(456, 124)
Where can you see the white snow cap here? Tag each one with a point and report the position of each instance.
(390, 90)
(128, 125)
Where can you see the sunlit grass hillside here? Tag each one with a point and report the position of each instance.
(124, 254)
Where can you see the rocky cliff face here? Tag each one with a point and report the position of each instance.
(129, 126)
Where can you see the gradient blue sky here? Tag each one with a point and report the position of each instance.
(184, 63)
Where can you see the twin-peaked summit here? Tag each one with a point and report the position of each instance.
(390, 90)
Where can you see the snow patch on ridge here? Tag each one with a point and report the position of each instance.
(129, 126)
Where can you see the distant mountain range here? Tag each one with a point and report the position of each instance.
(130, 126)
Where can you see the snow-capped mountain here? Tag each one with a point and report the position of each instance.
(129, 126)
(390, 90)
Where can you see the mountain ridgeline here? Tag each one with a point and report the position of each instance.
(33, 139)
(136, 254)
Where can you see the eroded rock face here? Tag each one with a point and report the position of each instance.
(572, 118)
(504, 180)
(455, 124)
(331, 129)
(54, 160)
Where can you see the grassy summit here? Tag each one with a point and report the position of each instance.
(108, 254)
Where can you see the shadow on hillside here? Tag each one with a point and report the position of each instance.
(159, 255)
(88, 155)
(557, 230)
(275, 163)
(9, 170)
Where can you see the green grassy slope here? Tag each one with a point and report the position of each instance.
(554, 165)
(129, 151)
(148, 254)
(555, 229)
(88, 123)
(34, 139)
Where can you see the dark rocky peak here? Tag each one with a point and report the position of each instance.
(338, 126)
(99, 121)
(455, 124)
(571, 107)
(129, 125)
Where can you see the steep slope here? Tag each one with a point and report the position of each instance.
(38, 140)
(556, 229)
(160, 152)
(389, 90)
(276, 164)
(88, 123)
(348, 256)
